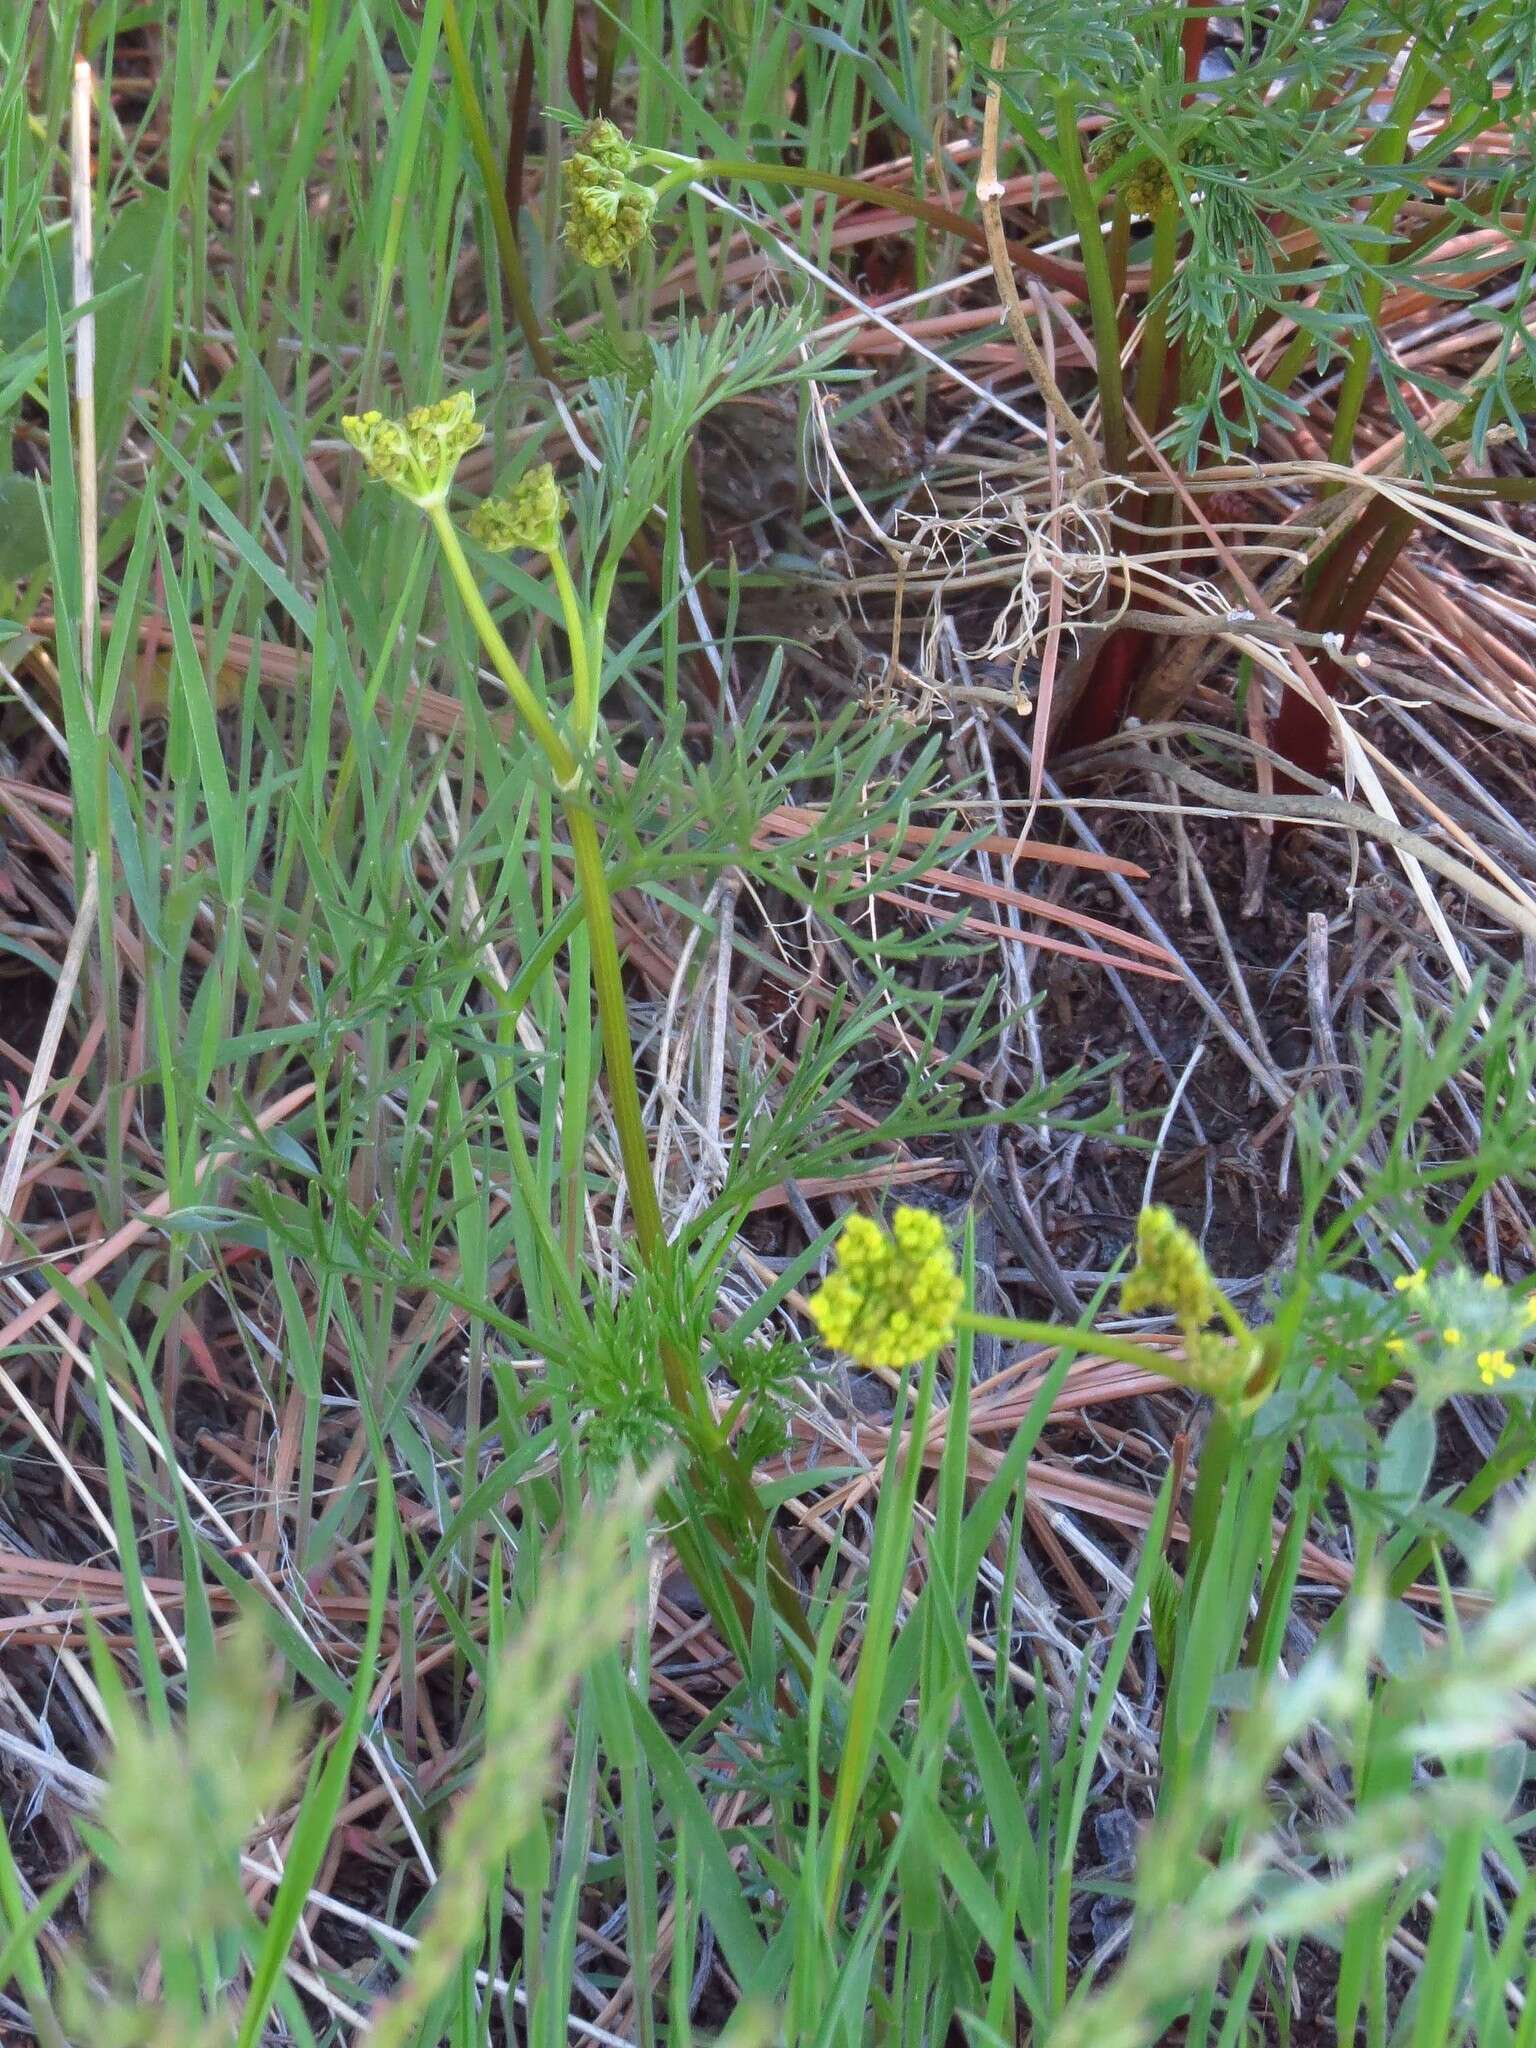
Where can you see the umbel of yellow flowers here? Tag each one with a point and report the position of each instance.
(893, 1296)
(1170, 1272)
(609, 214)
(418, 455)
(527, 516)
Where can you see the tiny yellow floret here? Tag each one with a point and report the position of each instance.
(1492, 1282)
(1494, 1365)
(1450, 1335)
(893, 1295)
(1396, 1344)
(1411, 1283)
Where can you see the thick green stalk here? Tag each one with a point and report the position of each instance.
(684, 1380)
(519, 689)
(1101, 292)
(1119, 249)
(619, 1059)
(583, 678)
(1125, 1349)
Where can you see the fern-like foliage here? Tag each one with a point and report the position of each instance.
(1315, 169)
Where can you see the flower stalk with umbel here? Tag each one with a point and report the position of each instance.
(417, 458)
(610, 210)
(895, 1296)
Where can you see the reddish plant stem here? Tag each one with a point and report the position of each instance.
(1192, 40)
(517, 141)
(1101, 707)
(576, 73)
(1340, 601)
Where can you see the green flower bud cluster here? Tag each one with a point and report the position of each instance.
(609, 215)
(894, 1295)
(527, 516)
(417, 456)
(1148, 184)
(1111, 145)
(1229, 1369)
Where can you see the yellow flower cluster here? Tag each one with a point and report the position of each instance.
(609, 215)
(894, 1295)
(418, 455)
(1170, 1272)
(1477, 1323)
(527, 516)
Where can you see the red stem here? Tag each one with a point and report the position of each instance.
(517, 142)
(1192, 39)
(1300, 733)
(576, 72)
(1099, 710)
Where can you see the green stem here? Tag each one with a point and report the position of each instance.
(619, 1059)
(1066, 276)
(1215, 1464)
(608, 305)
(566, 769)
(1150, 368)
(583, 685)
(684, 1380)
(1101, 292)
(484, 152)
(1119, 249)
(592, 879)
(1125, 1349)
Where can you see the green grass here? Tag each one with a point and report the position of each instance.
(324, 1329)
